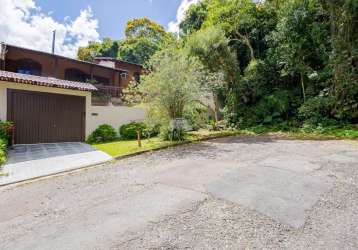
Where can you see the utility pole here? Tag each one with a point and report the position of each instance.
(53, 41)
(3, 52)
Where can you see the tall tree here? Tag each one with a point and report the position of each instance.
(299, 40)
(173, 82)
(106, 48)
(194, 18)
(144, 28)
(344, 57)
(144, 37)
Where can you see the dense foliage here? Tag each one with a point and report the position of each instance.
(293, 60)
(104, 133)
(172, 86)
(249, 63)
(3, 149)
(143, 38)
(5, 136)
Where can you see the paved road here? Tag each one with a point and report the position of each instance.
(231, 193)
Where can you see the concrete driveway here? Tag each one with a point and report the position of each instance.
(30, 161)
(231, 193)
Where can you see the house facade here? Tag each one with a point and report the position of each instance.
(51, 98)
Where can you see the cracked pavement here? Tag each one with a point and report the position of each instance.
(228, 193)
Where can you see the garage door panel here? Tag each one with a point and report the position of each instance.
(46, 118)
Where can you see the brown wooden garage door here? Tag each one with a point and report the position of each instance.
(45, 118)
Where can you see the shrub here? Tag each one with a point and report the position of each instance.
(317, 110)
(5, 130)
(151, 130)
(273, 107)
(173, 134)
(196, 116)
(3, 149)
(174, 131)
(104, 133)
(129, 131)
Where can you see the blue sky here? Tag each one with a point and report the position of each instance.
(113, 14)
(30, 23)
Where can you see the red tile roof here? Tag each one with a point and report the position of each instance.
(45, 81)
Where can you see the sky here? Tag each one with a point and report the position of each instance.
(29, 23)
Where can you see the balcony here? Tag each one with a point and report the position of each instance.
(107, 95)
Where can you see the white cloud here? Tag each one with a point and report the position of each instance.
(183, 7)
(23, 23)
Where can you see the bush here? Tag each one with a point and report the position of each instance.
(3, 149)
(316, 111)
(176, 134)
(104, 133)
(129, 131)
(274, 107)
(175, 131)
(196, 116)
(5, 130)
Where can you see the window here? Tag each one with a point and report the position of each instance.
(28, 67)
(101, 80)
(76, 75)
(124, 75)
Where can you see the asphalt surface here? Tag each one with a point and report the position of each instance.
(229, 193)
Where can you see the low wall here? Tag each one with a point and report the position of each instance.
(112, 115)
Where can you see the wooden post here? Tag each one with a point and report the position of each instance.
(139, 138)
(12, 132)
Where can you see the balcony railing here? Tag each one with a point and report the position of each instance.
(112, 91)
(106, 95)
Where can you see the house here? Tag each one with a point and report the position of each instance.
(52, 98)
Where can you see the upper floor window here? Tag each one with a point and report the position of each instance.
(101, 80)
(124, 75)
(76, 75)
(28, 67)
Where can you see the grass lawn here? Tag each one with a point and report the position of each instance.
(122, 147)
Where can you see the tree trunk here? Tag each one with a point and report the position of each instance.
(303, 88)
(246, 41)
(216, 107)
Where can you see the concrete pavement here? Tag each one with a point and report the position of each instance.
(26, 162)
(232, 193)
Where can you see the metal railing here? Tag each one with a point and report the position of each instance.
(110, 91)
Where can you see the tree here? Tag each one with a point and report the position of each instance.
(144, 28)
(138, 50)
(245, 23)
(212, 48)
(300, 40)
(143, 38)
(173, 83)
(106, 48)
(194, 18)
(344, 57)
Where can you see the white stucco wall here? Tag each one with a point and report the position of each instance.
(114, 116)
(95, 115)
